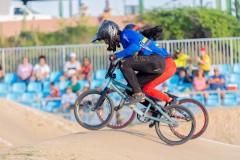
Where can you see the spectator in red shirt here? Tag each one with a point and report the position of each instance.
(86, 70)
(54, 92)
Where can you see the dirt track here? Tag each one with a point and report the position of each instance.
(66, 140)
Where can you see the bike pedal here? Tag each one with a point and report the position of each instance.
(151, 124)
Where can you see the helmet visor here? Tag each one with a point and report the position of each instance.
(95, 38)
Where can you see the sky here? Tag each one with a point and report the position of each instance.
(96, 7)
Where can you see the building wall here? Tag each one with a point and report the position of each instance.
(5, 7)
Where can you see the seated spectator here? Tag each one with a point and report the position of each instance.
(68, 101)
(54, 92)
(1, 74)
(204, 61)
(75, 85)
(217, 81)
(199, 81)
(24, 71)
(85, 88)
(181, 60)
(86, 70)
(71, 68)
(165, 88)
(184, 77)
(41, 71)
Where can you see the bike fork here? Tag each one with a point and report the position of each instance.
(100, 100)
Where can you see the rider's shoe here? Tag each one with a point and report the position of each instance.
(154, 114)
(135, 99)
(122, 102)
(151, 124)
(173, 101)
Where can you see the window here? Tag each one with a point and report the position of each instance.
(19, 11)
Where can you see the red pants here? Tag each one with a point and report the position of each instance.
(169, 72)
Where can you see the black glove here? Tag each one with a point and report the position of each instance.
(112, 57)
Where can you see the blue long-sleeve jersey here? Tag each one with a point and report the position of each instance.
(136, 44)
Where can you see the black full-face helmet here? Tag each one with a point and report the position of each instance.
(107, 31)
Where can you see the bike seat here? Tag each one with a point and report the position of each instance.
(171, 95)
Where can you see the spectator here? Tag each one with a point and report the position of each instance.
(86, 70)
(68, 100)
(217, 81)
(41, 71)
(71, 68)
(204, 61)
(83, 10)
(75, 85)
(200, 82)
(181, 60)
(24, 71)
(107, 12)
(165, 88)
(184, 78)
(1, 74)
(54, 92)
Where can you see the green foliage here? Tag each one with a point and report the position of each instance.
(193, 23)
(66, 35)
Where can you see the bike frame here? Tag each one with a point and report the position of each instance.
(114, 85)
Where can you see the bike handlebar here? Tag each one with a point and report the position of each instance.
(112, 68)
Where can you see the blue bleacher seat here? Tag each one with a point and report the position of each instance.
(236, 68)
(36, 105)
(174, 79)
(184, 86)
(224, 68)
(119, 74)
(34, 87)
(95, 84)
(83, 83)
(2, 95)
(27, 98)
(230, 99)
(55, 76)
(100, 74)
(19, 87)
(43, 94)
(10, 78)
(13, 96)
(51, 105)
(199, 98)
(212, 100)
(62, 85)
(235, 78)
(46, 86)
(4, 88)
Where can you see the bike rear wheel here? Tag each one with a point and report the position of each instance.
(200, 114)
(185, 129)
(89, 118)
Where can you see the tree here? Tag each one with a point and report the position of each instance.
(193, 23)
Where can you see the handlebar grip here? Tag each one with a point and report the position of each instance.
(116, 61)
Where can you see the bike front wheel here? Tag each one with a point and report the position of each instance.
(200, 114)
(85, 114)
(185, 129)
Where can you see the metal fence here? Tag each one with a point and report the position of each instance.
(220, 50)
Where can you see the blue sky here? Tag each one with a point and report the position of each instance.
(96, 6)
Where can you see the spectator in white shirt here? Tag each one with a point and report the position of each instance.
(68, 101)
(41, 71)
(71, 68)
